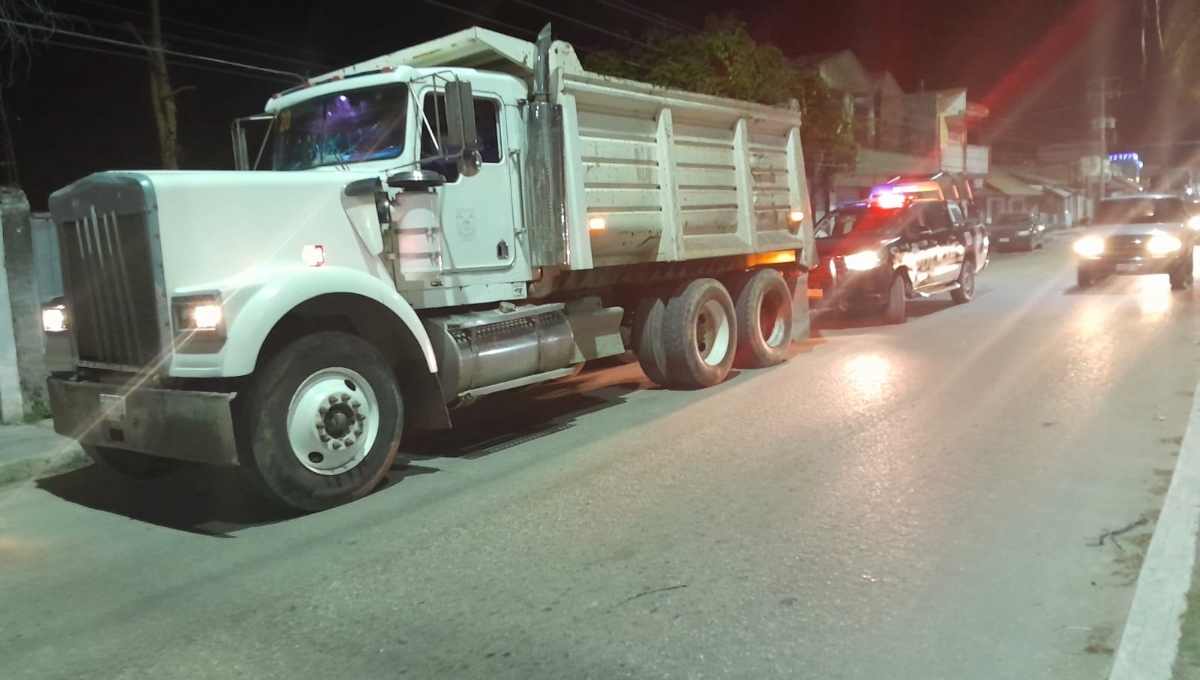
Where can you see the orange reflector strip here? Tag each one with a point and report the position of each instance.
(778, 257)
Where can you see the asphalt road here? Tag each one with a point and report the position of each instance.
(923, 501)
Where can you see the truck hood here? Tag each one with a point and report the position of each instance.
(832, 247)
(1135, 229)
(216, 226)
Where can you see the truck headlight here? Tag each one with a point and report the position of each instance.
(861, 262)
(202, 314)
(1163, 244)
(1023, 233)
(54, 319)
(1089, 246)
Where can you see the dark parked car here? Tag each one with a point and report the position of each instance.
(1017, 231)
(878, 254)
(1137, 235)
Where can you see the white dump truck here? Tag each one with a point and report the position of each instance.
(470, 215)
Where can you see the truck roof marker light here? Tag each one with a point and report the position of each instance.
(313, 256)
(597, 224)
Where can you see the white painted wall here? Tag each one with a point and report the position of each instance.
(12, 406)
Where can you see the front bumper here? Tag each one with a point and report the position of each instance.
(1006, 241)
(179, 424)
(1133, 266)
(845, 289)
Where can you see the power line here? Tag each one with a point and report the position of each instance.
(585, 24)
(173, 37)
(481, 17)
(210, 29)
(123, 43)
(173, 62)
(648, 15)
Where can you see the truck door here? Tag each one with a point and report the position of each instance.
(478, 218)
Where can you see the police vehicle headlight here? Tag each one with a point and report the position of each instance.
(1089, 246)
(861, 262)
(1163, 244)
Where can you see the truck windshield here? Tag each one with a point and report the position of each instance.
(1140, 211)
(345, 127)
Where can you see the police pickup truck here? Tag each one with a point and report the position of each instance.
(905, 241)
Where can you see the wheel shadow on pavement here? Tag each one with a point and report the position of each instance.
(833, 320)
(204, 500)
(504, 421)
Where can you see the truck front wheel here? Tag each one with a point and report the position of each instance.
(322, 422)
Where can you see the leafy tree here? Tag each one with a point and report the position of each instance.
(724, 60)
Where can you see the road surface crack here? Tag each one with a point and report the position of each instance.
(1143, 521)
(651, 592)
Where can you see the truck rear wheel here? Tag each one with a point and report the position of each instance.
(647, 339)
(764, 319)
(322, 422)
(699, 334)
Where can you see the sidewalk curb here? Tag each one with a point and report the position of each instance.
(55, 462)
(1150, 642)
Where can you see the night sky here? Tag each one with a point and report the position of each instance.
(79, 111)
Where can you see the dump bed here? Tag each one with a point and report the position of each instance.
(652, 175)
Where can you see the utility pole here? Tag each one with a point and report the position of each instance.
(1101, 90)
(8, 155)
(162, 95)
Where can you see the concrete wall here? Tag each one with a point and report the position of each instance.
(21, 339)
(46, 262)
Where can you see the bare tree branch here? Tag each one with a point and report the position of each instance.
(18, 42)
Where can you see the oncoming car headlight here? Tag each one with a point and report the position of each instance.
(198, 314)
(1089, 246)
(861, 262)
(1163, 244)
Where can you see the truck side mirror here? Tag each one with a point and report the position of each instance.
(241, 154)
(460, 116)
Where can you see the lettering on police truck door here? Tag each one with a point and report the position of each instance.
(922, 248)
(477, 214)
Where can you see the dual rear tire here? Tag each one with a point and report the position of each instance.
(693, 337)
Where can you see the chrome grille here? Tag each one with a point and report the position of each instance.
(109, 284)
(1126, 246)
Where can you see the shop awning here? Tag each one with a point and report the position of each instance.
(1009, 185)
